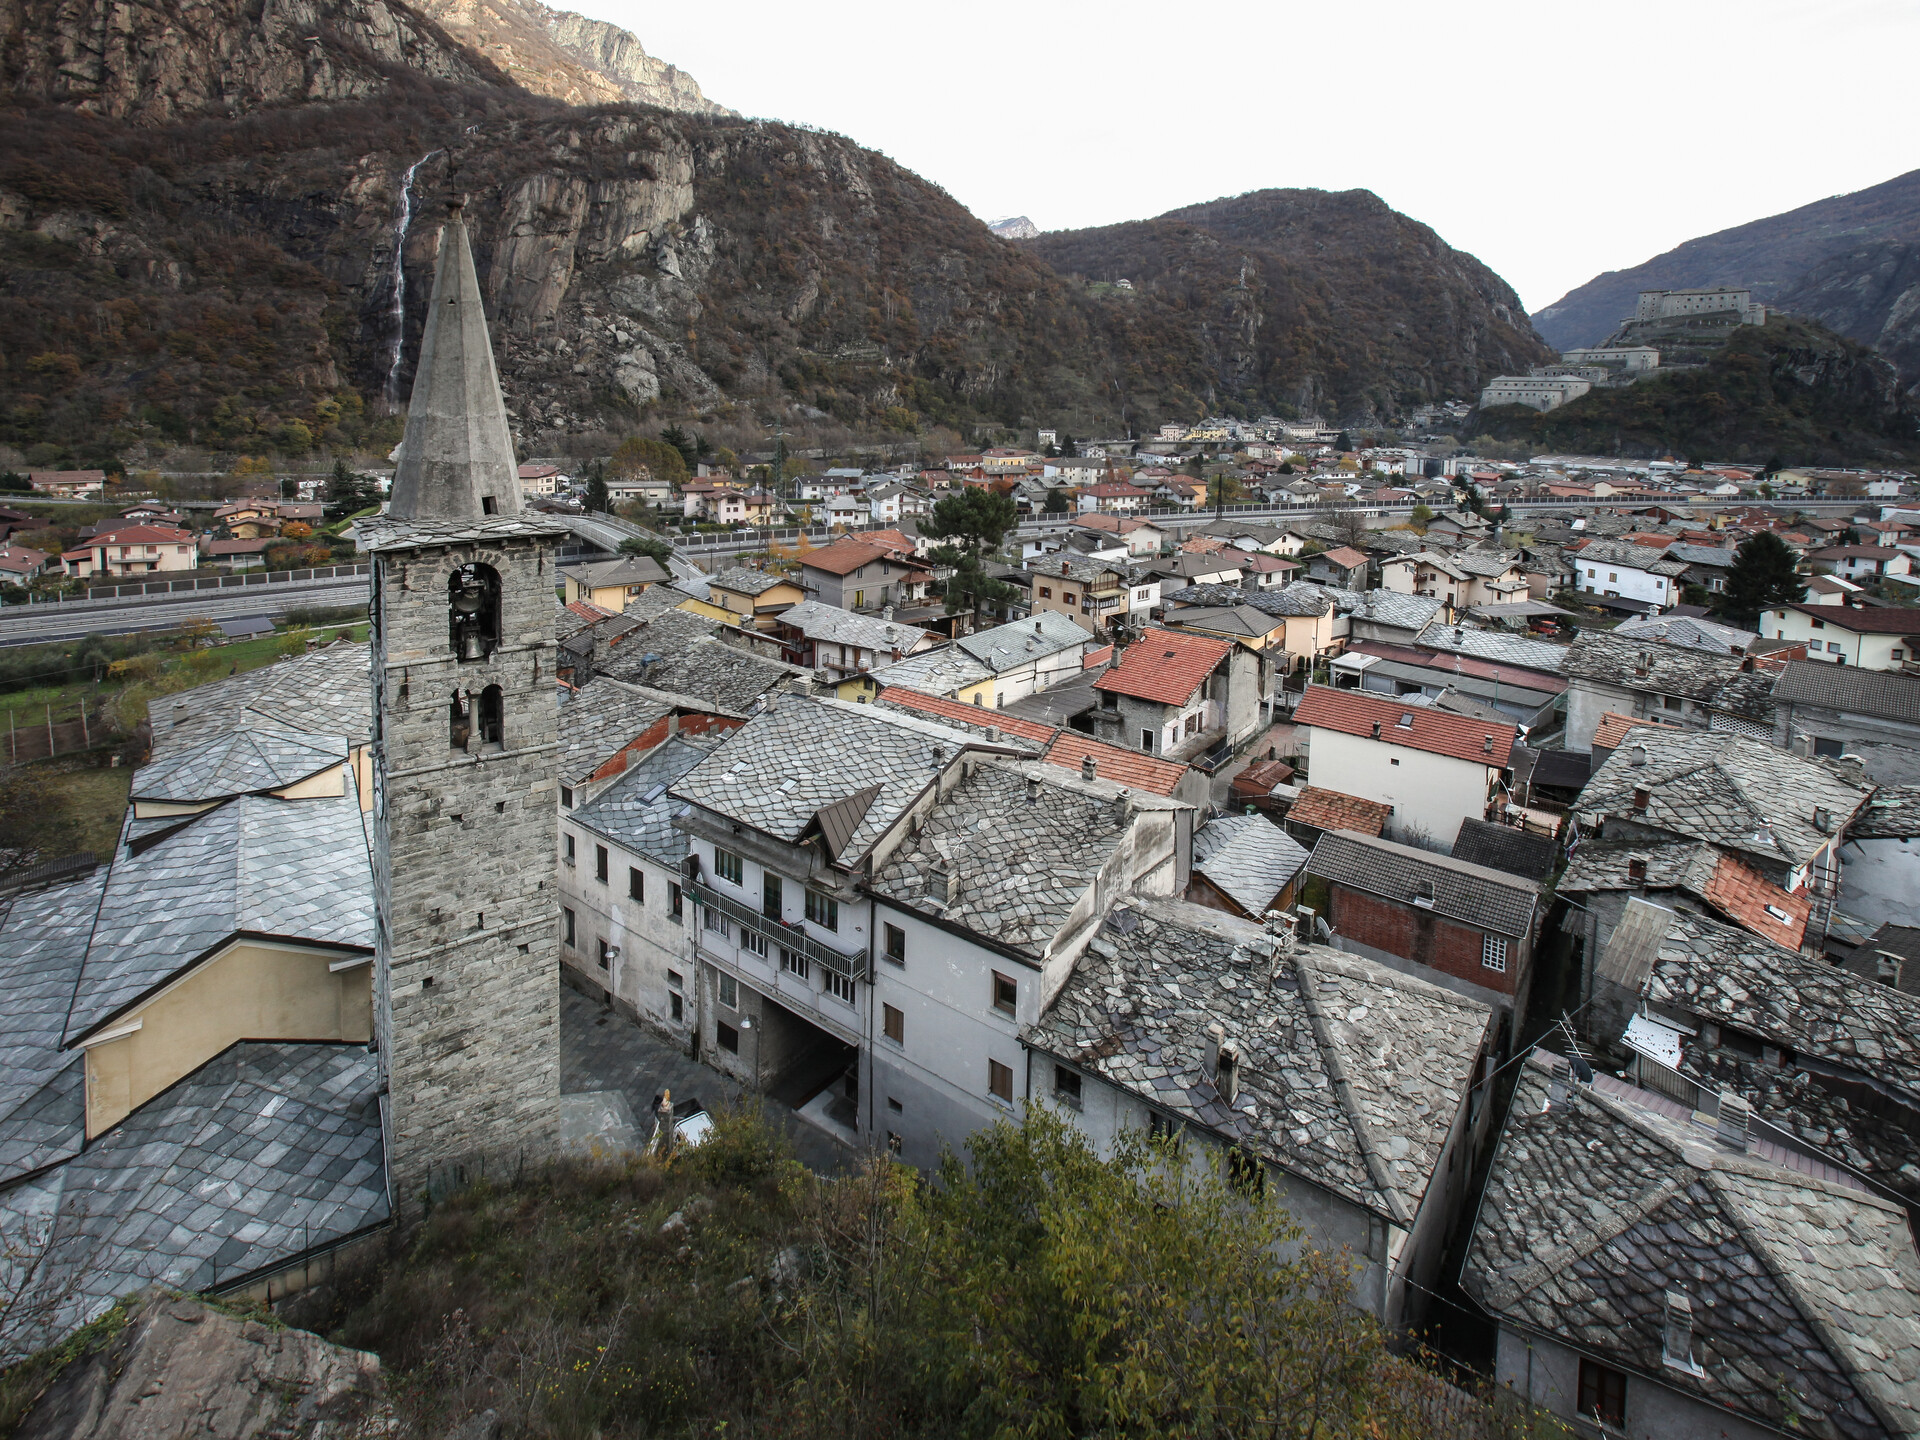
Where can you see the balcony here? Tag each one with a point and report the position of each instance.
(779, 932)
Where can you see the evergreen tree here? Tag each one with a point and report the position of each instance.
(599, 502)
(683, 442)
(1762, 577)
(973, 521)
(1344, 443)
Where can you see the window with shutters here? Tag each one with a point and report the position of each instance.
(1000, 1081)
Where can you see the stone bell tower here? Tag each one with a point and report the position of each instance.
(467, 1013)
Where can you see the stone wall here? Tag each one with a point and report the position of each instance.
(467, 999)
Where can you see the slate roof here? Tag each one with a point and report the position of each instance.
(1892, 814)
(1503, 848)
(663, 637)
(1804, 1293)
(1475, 895)
(1622, 552)
(598, 721)
(939, 671)
(1020, 844)
(268, 1150)
(1688, 632)
(1740, 794)
(1300, 599)
(324, 692)
(1883, 694)
(1356, 712)
(293, 869)
(1003, 647)
(43, 940)
(744, 581)
(1562, 769)
(636, 811)
(819, 621)
(1321, 809)
(1808, 1006)
(1496, 645)
(1247, 858)
(714, 673)
(627, 570)
(1734, 890)
(1643, 664)
(239, 762)
(386, 532)
(1240, 621)
(1164, 666)
(1351, 1075)
(1388, 607)
(777, 772)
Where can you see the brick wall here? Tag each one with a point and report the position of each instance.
(657, 733)
(1421, 935)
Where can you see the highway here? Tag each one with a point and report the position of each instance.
(51, 624)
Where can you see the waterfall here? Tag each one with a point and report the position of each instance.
(399, 307)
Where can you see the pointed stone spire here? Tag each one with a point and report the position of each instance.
(456, 462)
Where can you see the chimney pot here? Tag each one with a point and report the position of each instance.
(1210, 1048)
(1641, 799)
(1087, 767)
(1677, 1333)
(1636, 869)
(1735, 1115)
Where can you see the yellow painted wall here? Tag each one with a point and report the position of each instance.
(856, 689)
(251, 991)
(710, 611)
(331, 781)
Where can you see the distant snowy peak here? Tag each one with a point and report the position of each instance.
(1014, 227)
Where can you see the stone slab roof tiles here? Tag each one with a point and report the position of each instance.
(381, 533)
(636, 810)
(743, 581)
(289, 869)
(1892, 814)
(601, 719)
(713, 673)
(1351, 1075)
(822, 622)
(1805, 1294)
(239, 762)
(1018, 847)
(1368, 716)
(324, 692)
(1688, 632)
(937, 672)
(1740, 794)
(1499, 646)
(1164, 666)
(1475, 895)
(781, 769)
(267, 1151)
(1389, 607)
(1807, 1006)
(1645, 664)
(43, 942)
(1248, 858)
(1002, 647)
(1622, 552)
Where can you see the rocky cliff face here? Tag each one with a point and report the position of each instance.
(1870, 293)
(1845, 238)
(160, 63)
(568, 56)
(1331, 303)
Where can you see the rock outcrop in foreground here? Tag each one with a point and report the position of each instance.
(180, 1367)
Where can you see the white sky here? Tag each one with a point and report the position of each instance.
(1552, 141)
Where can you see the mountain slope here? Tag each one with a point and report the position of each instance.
(1790, 392)
(166, 61)
(567, 56)
(1326, 302)
(1770, 255)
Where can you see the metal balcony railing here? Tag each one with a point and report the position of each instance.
(794, 937)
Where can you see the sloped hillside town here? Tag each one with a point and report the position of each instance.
(1512, 868)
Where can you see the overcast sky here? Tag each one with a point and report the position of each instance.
(1552, 141)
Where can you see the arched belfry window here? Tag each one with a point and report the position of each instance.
(473, 611)
(459, 721)
(492, 715)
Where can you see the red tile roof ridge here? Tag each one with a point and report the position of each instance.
(1325, 809)
(1747, 896)
(1164, 666)
(967, 714)
(1438, 732)
(1134, 768)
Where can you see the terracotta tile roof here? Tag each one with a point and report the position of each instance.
(1374, 717)
(1330, 810)
(1889, 621)
(1768, 911)
(139, 535)
(1164, 666)
(588, 611)
(1345, 555)
(1613, 727)
(1095, 658)
(843, 557)
(1132, 768)
(956, 710)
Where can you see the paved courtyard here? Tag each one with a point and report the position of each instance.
(600, 1050)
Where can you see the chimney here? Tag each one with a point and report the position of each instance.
(1822, 819)
(886, 613)
(1734, 1115)
(1033, 790)
(1676, 1340)
(1801, 745)
(1210, 1048)
(1122, 803)
(1560, 1085)
(1636, 869)
(939, 754)
(1637, 756)
(1376, 729)
(1487, 747)
(1036, 627)
(1226, 1072)
(1087, 767)
(939, 884)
